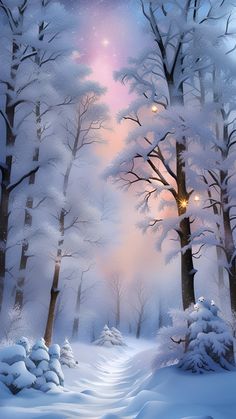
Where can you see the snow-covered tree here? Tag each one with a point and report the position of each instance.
(106, 337)
(119, 339)
(209, 341)
(16, 80)
(13, 371)
(159, 151)
(110, 337)
(67, 356)
(51, 49)
(82, 132)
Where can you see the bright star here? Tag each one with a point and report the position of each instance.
(105, 42)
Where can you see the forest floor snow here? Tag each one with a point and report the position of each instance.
(119, 382)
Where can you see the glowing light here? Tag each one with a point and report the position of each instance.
(197, 198)
(105, 42)
(183, 203)
(154, 108)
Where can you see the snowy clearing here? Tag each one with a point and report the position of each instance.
(111, 383)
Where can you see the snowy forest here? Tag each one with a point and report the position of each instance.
(117, 209)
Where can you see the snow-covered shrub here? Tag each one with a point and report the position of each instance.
(53, 376)
(13, 371)
(110, 338)
(54, 363)
(40, 359)
(171, 340)
(209, 341)
(67, 356)
(46, 366)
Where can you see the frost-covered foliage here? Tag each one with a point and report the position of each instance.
(67, 356)
(209, 342)
(171, 340)
(110, 337)
(13, 370)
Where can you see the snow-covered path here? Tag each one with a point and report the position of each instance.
(108, 392)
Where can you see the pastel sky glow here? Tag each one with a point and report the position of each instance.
(109, 32)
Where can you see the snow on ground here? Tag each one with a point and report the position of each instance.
(112, 383)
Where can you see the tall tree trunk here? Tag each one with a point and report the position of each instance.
(57, 268)
(187, 268)
(5, 192)
(117, 319)
(229, 244)
(139, 326)
(10, 110)
(171, 72)
(20, 285)
(55, 283)
(75, 328)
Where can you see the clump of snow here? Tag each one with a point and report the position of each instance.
(110, 337)
(209, 342)
(12, 354)
(23, 341)
(13, 370)
(67, 356)
(39, 352)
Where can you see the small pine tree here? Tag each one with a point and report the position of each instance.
(106, 337)
(209, 343)
(119, 340)
(67, 356)
(110, 337)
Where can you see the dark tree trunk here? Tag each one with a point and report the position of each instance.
(230, 251)
(20, 285)
(55, 283)
(10, 109)
(187, 268)
(139, 326)
(53, 299)
(140, 320)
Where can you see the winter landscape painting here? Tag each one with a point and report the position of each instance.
(118, 209)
